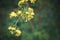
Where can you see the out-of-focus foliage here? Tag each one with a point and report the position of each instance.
(30, 20)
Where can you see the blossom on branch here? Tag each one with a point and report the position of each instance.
(13, 14)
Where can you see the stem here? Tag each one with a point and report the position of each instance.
(17, 20)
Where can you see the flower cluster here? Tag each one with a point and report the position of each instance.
(14, 30)
(25, 1)
(25, 14)
(28, 15)
(22, 2)
(32, 1)
(13, 14)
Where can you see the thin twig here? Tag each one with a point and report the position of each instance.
(17, 20)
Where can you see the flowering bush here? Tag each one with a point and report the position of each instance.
(26, 14)
(27, 22)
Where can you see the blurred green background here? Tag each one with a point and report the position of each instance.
(45, 25)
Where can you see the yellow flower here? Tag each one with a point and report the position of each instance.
(30, 9)
(29, 16)
(21, 2)
(32, 13)
(19, 12)
(13, 14)
(11, 28)
(32, 1)
(14, 30)
(27, 13)
(18, 33)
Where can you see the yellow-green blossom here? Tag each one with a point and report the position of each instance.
(21, 2)
(30, 9)
(29, 16)
(13, 14)
(19, 12)
(14, 30)
(18, 33)
(32, 1)
(11, 28)
(32, 13)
